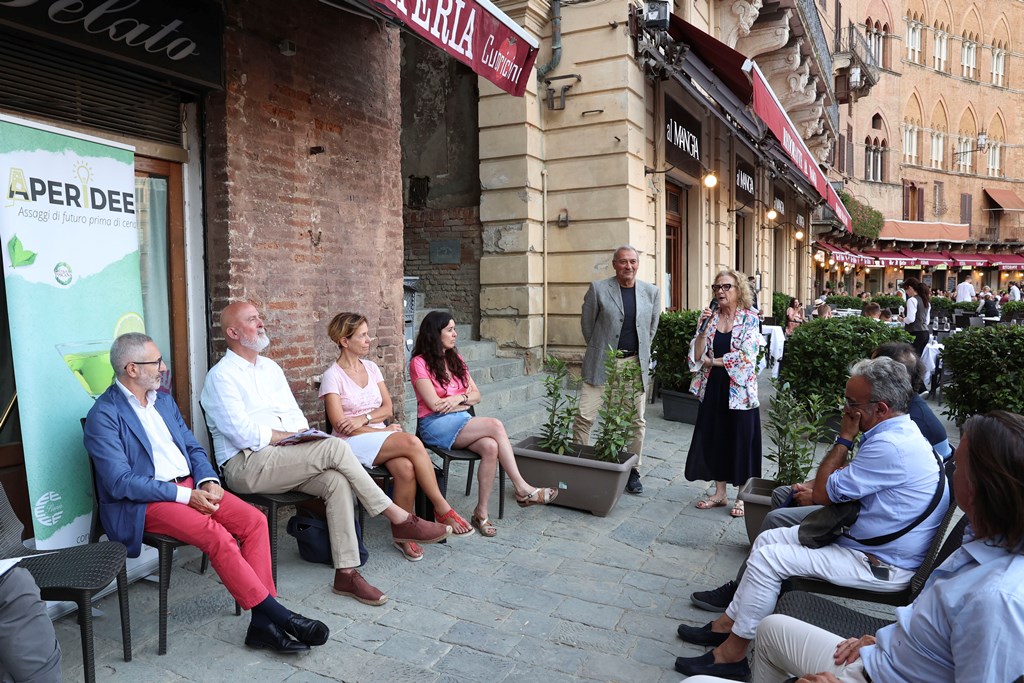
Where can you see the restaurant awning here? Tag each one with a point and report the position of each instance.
(928, 258)
(750, 86)
(844, 255)
(475, 32)
(888, 258)
(1007, 200)
(972, 260)
(1007, 261)
(924, 231)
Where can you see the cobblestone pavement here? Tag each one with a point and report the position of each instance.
(558, 595)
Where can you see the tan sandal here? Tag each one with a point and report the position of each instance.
(484, 526)
(709, 502)
(737, 509)
(537, 497)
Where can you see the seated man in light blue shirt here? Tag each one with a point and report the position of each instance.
(894, 476)
(968, 622)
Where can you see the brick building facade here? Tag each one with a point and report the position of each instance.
(307, 235)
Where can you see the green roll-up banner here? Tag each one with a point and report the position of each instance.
(70, 248)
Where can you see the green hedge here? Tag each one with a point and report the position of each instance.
(844, 301)
(1012, 309)
(670, 347)
(890, 301)
(987, 374)
(780, 302)
(941, 306)
(966, 306)
(818, 356)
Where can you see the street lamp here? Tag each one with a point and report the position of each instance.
(771, 214)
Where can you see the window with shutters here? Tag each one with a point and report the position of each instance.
(913, 202)
(849, 150)
(841, 153)
(965, 208)
(939, 207)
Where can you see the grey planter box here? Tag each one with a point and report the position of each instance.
(756, 495)
(583, 483)
(680, 406)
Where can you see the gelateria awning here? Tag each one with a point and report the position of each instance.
(888, 258)
(1007, 261)
(928, 258)
(475, 32)
(1006, 200)
(745, 79)
(842, 255)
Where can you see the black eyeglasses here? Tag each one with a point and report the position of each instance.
(725, 288)
(159, 361)
(848, 404)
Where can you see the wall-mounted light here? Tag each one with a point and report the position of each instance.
(771, 214)
(287, 48)
(710, 179)
(798, 235)
(563, 218)
(317, 149)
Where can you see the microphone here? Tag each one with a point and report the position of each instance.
(704, 325)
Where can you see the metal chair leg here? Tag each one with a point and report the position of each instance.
(272, 510)
(469, 477)
(501, 492)
(126, 626)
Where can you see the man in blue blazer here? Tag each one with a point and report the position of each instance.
(152, 475)
(621, 312)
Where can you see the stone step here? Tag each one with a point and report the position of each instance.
(521, 419)
(490, 370)
(475, 350)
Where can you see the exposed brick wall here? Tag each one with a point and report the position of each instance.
(452, 286)
(304, 236)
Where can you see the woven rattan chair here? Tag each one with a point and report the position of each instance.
(76, 574)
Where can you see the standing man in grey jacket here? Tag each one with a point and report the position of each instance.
(623, 313)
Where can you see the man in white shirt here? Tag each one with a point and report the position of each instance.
(965, 290)
(152, 475)
(250, 409)
(1014, 292)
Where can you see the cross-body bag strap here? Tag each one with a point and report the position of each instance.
(888, 538)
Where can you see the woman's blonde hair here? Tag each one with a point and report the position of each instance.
(344, 325)
(744, 297)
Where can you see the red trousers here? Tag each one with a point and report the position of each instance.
(245, 570)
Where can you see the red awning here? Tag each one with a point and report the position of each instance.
(972, 260)
(844, 254)
(1007, 200)
(745, 79)
(475, 32)
(1007, 261)
(928, 258)
(888, 258)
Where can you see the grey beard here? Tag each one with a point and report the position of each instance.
(257, 344)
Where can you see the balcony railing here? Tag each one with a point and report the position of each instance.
(850, 40)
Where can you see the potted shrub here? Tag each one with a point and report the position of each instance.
(844, 301)
(986, 372)
(820, 352)
(780, 302)
(794, 426)
(890, 301)
(587, 477)
(671, 371)
(966, 307)
(941, 307)
(1012, 310)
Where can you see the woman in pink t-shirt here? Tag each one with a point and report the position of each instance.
(444, 392)
(358, 403)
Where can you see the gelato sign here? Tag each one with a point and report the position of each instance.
(475, 32)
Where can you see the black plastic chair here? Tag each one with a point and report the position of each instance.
(448, 455)
(939, 549)
(75, 574)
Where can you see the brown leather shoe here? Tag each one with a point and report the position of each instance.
(416, 530)
(355, 586)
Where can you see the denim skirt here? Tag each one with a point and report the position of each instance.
(440, 430)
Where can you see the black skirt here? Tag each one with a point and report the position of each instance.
(726, 443)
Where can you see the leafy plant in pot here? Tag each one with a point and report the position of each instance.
(671, 371)
(794, 427)
(587, 477)
(987, 374)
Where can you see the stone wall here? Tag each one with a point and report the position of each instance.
(303, 233)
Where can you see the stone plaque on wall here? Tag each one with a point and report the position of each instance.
(445, 251)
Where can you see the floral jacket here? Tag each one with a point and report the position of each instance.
(740, 362)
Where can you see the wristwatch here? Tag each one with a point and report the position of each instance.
(369, 419)
(844, 442)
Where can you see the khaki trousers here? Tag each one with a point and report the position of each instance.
(590, 404)
(787, 647)
(327, 469)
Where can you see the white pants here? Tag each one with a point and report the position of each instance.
(778, 555)
(788, 647)
(590, 404)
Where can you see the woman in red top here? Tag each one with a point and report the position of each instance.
(444, 394)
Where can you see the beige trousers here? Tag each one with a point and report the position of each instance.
(327, 469)
(787, 647)
(590, 404)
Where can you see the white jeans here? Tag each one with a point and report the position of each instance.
(788, 647)
(590, 404)
(778, 555)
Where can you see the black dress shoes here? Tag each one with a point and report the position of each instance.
(701, 635)
(308, 631)
(271, 637)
